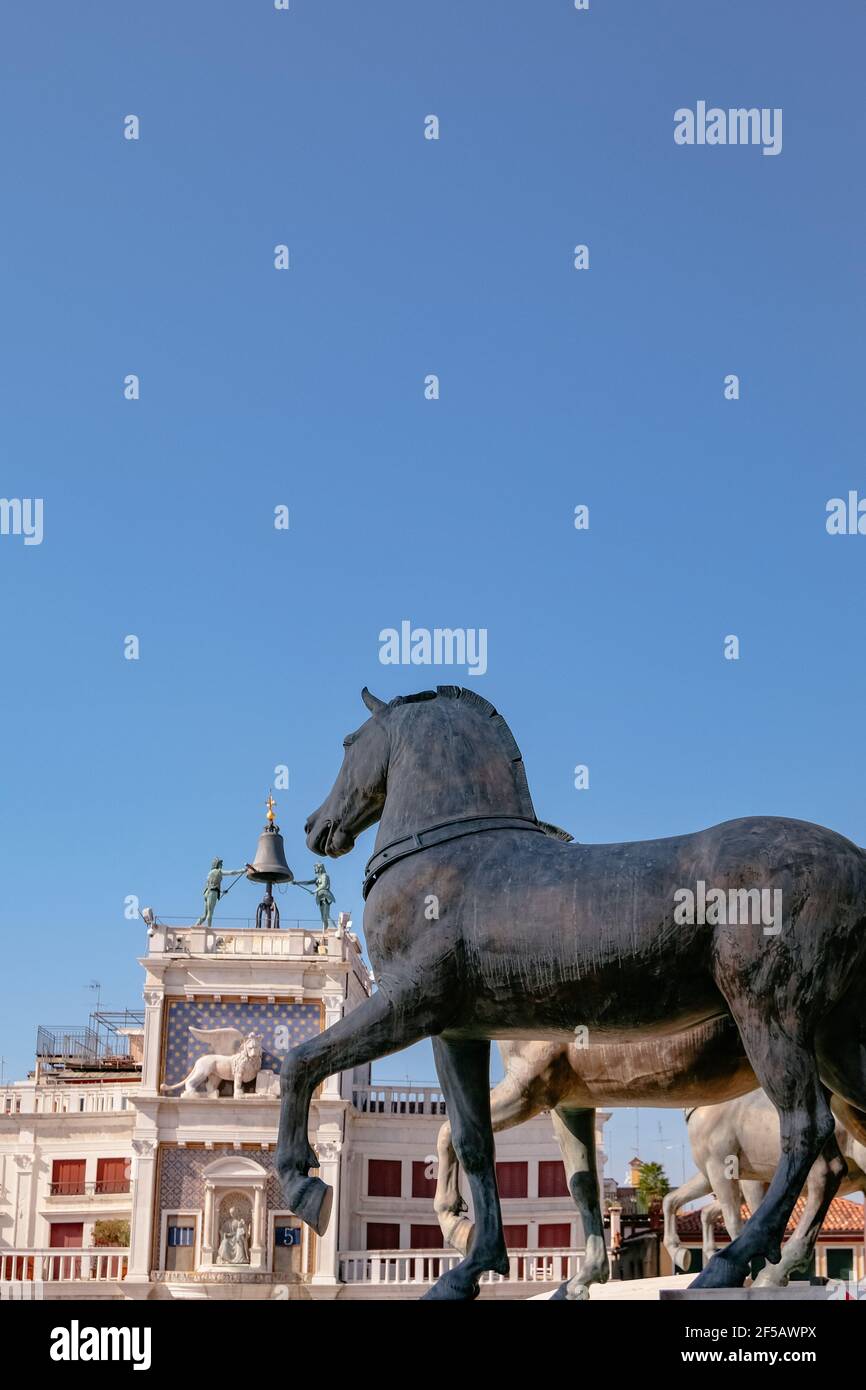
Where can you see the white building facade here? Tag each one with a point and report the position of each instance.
(113, 1186)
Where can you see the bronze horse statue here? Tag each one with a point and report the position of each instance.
(482, 925)
(746, 1130)
(560, 1077)
(570, 1080)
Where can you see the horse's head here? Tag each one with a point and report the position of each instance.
(358, 795)
(438, 754)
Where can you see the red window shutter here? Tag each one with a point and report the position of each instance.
(67, 1177)
(551, 1179)
(516, 1237)
(513, 1179)
(112, 1175)
(426, 1238)
(383, 1235)
(556, 1236)
(384, 1177)
(422, 1186)
(66, 1235)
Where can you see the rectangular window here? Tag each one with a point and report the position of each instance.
(180, 1243)
(66, 1235)
(422, 1186)
(512, 1179)
(112, 1175)
(551, 1179)
(383, 1235)
(181, 1235)
(384, 1177)
(516, 1237)
(425, 1237)
(287, 1249)
(556, 1236)
(840, 1264)
(67, 1177)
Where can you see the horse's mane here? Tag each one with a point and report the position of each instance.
(483, 707)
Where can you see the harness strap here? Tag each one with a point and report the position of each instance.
(439, 835)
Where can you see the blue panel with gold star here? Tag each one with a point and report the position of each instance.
(282, 1025)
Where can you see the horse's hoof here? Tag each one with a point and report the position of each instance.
(724, 1271)
(770, 1278)
(683, 1259)
(579, 1294)
(311, 1200)
(454, 1287)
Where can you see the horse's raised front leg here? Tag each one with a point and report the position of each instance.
(384, 1023)
(575, 1132)
(697, 1186)
(464, 1074)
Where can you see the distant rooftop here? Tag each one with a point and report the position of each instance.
(111, 1041)
(844, 1218)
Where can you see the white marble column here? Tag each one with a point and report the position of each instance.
(207, 1226)
(327, 1252)
(24, 1183)
(333, 1013)
(154, 1000)
(257, 1247)
(144, 1190)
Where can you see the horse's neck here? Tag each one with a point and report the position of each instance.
(435, 780)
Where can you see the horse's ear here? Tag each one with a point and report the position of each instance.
(373, 703)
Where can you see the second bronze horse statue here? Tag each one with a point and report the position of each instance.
(480, 924)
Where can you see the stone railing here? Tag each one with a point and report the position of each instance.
(426, 1266)
(104, 1187)
(63, 1266)
(398, 1100)
(66, 1100)
(297, 939)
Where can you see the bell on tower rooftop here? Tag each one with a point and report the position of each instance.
(269, 867)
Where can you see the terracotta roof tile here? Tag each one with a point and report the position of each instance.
(844, 1218)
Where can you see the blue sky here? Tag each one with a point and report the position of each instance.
(305, 388)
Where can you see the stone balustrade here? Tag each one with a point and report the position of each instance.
(62, 1266)
(66, 1100)
(398, 1100)
(426, 1266)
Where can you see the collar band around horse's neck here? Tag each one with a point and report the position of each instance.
(439, 835)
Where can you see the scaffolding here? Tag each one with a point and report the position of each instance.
(104, 1044)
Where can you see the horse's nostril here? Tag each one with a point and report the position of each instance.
(308, 825)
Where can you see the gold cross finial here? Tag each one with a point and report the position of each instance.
(271, 805)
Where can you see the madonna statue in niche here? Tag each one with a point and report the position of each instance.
(234, 1248)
